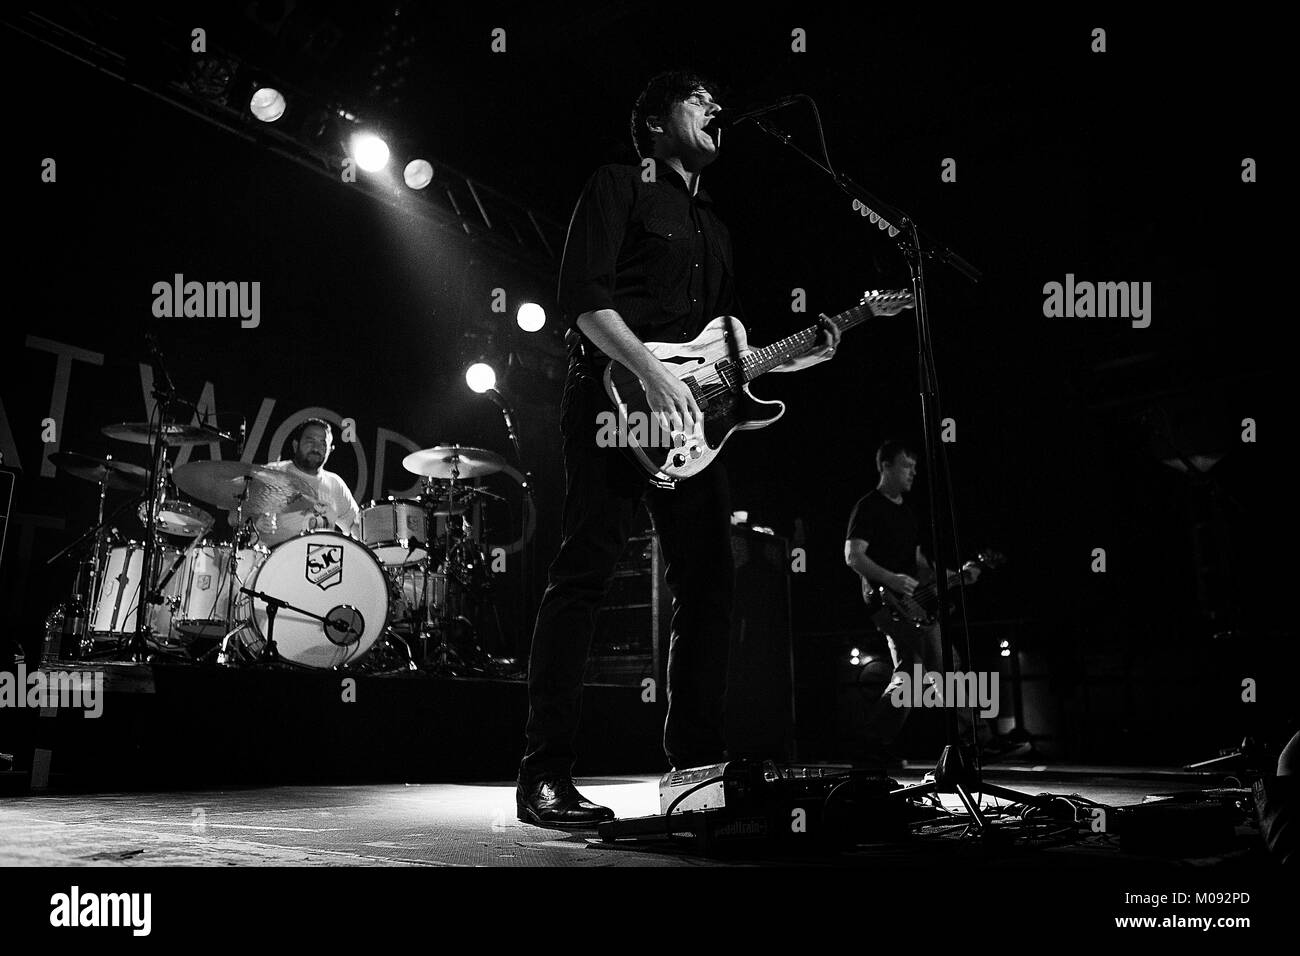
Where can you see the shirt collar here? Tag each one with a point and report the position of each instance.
(701, 194)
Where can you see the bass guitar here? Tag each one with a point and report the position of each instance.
(921, 606)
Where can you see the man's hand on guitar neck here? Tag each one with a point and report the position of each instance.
(828, 340)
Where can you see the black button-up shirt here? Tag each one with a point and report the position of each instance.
(649, 250)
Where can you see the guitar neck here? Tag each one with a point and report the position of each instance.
(778, 353)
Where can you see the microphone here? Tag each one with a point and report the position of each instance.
(725, 119)
(162, 381)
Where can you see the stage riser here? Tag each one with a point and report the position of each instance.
(204, 728)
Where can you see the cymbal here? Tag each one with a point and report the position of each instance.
(121, 475)
(442, 461)
(174, 433)
(222, 483)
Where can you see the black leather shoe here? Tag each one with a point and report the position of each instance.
(556, 802)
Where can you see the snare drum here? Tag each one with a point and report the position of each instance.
(120, 593)
(207, 590)
(389, 527)
(178, 517)
(333, 577)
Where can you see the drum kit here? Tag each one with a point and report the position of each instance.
(405, 596)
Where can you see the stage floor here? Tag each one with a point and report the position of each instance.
(473, 824)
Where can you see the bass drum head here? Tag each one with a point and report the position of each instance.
(330, 575)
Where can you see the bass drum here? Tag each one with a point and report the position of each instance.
(334, 578)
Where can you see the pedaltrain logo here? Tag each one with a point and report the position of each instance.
(1098, 300)
(208, 300)
(75, 909)
(62, 689)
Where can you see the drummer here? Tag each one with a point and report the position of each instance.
(333, 507)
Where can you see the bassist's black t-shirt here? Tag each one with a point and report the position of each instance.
(890, 531)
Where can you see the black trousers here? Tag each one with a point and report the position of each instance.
(909, 646)
(603, 491)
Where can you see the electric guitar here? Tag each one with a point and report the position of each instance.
(885, 605)
(717, 366)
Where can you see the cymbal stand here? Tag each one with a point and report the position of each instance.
(232, 572)
(441, 653)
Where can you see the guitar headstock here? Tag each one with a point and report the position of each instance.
(888, 302)
(990, 559)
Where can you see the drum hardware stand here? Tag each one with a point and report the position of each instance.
(164, 393)
(442, 653)
(270, 654)
(96, 535)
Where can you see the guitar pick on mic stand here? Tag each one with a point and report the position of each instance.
(951, 775)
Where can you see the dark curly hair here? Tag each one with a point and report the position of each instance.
(658, 97)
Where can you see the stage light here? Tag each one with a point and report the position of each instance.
(480, 377)
(418, 173)
(531, 317)
(267, 104)
(370, 152)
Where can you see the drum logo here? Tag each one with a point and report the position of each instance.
(324, 565)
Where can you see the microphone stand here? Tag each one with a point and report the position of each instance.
(525, 569)
(951, 775)
(164, 394)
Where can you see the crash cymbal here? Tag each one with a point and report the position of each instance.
(121, 475)
(222, 483)
(446, 461)
(174, 433)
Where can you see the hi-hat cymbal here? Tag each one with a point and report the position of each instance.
(174, 433)
(222, 483)
(120, 475)
(447, 461)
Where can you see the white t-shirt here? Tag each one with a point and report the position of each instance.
(337, 508)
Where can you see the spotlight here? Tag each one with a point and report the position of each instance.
(418, 173)
(370, 152)
(267, 104)
(531, 317)
(481, 377)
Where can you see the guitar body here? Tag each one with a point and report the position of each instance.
(717, 366)
(885, 605)
(707, 365)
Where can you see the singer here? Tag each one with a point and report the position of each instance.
(647, 259)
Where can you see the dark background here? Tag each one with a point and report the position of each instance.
(1115, 166)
